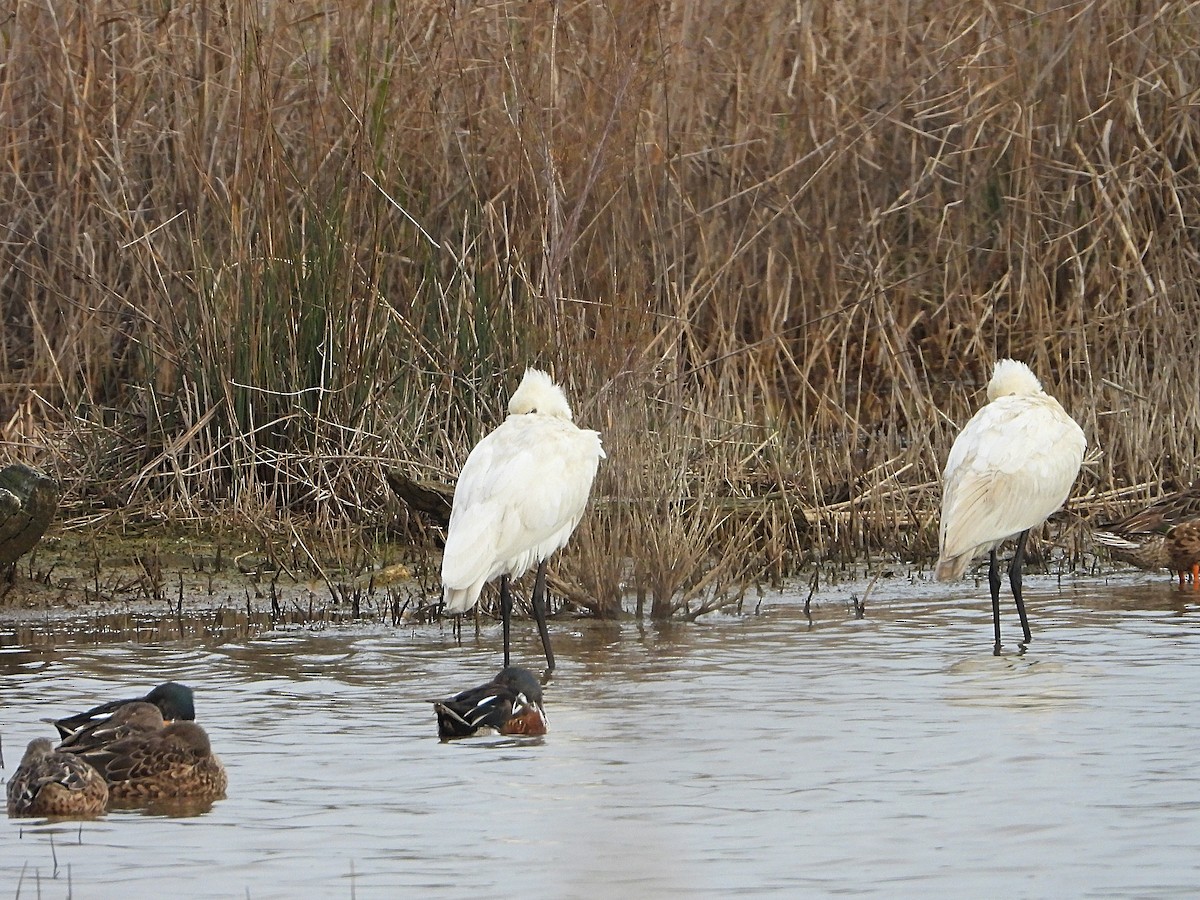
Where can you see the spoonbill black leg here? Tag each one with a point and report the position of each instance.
(994, 584)
(539, 613)
(505, 614)
(1014, 581)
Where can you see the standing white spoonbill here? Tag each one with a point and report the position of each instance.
(1010, 467)
(519, 496)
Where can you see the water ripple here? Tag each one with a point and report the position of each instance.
(885, 755)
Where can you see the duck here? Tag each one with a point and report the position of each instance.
(55, 785)
(175, 701)
(129, 720)
(147, 765)
(511, 704)
(1165, 534)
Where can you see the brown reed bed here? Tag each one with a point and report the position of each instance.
(255, 255)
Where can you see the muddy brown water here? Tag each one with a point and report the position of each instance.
(889, 755)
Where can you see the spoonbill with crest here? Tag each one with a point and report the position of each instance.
(1009, 469)
(520, 495)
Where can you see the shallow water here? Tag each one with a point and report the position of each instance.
(890, 755)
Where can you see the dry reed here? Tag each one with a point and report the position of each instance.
(254, 254)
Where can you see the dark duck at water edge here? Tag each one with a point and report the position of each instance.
(511, 703)
(129, 720)
(55, 785)
(175, 701)
(1164, 535)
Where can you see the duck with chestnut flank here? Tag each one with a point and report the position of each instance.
(511, 703)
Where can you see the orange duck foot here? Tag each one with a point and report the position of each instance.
(1194, 572)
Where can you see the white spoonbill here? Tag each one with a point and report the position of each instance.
(1010, 467)
(519, 496)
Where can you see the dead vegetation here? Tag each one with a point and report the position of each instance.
(255, 255)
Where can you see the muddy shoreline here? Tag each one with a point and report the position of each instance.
(70, 575)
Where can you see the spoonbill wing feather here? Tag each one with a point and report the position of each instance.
(1010, 468)
(521, 493)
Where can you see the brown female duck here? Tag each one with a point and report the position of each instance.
(1166, 534)
(175, 762)
(53, 784)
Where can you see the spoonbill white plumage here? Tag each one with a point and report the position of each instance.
(1010, 467)
(520, 495)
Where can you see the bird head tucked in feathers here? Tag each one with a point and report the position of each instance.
(1012, 377)
(537, 393)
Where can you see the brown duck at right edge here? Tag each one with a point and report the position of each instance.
(1166, 534)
